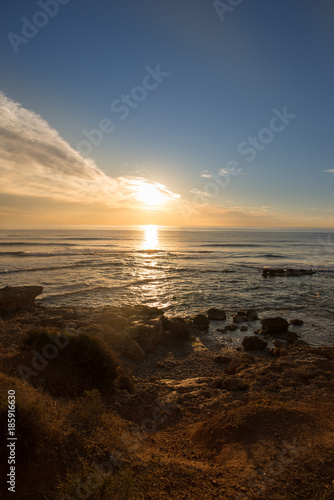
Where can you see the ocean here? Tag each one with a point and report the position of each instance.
(181, 270)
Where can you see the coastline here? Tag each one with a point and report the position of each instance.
(191, 419)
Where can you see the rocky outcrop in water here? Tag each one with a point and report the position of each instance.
(269, 271)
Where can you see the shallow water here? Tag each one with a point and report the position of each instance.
(183, 271)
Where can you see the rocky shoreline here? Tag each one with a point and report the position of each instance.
(230, 423)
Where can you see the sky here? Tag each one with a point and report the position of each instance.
(180, 113)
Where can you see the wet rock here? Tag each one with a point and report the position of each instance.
(296, 322)
(241, 313)
(279, 343)
(231, 327)
(216, 314)
(251, 315)
(244, 328)
(291, 337)
(275, 324)
(253, 343)
(13, 298)
(238, 319)
(269, 271)
(201, 321)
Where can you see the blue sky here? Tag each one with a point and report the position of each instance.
(225, 78)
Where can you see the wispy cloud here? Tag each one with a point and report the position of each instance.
(36, 161)
(331, 170)
(206, 174)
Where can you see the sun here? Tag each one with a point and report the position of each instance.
(150, 194)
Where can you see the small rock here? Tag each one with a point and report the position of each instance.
(216, 314)
(234, 384)
(279, 343)
(238, 319)
(296, 322)
(251, 315)
(231, 327)
(291, 337)
(201, 321)
(244, 328)
(253, 343)
(248, 358)
(234, 364)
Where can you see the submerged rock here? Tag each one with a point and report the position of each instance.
(13, 298)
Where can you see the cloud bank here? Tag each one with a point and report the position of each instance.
(36, 161)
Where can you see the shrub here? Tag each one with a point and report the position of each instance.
(85, 357)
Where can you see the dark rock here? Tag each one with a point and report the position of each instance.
(275, 324)
(241, 313)
(244, 328)
(221, 359)
(201, 321)
(268, 271)
(231, 369)
(216, 314)
(253, 343)
(248, 358)
(279, 343)
(238, 319)
(291, 337)
(296, 322)
(231, 327)
(234, 384)
(251, 315)
(13, 298)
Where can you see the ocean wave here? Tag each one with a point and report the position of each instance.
(35, 244)
(235, 245)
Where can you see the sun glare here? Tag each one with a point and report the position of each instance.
(150, 195)
(150, 241)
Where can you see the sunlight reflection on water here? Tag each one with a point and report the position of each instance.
(150, 238)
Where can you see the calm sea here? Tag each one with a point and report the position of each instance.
(183, 270)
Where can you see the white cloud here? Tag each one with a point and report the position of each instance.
(331, 170)
(36, 161)
(206, 174)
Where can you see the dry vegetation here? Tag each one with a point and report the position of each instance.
(183, 423)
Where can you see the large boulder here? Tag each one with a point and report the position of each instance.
(216, 314)
(275, 325)
(201, 321)
(13, 298)
(253, 343)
